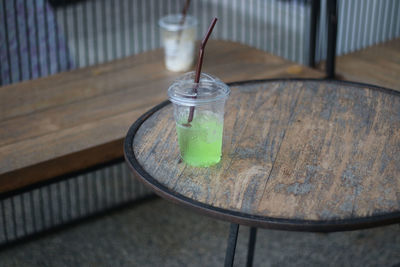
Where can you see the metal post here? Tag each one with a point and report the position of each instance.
(252, 244)
(332, 32)
(315, 11)
(231, 247)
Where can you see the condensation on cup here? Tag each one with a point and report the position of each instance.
(199, 139)
(179, 41)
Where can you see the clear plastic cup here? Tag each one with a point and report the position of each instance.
(200, 140)
(179, 41)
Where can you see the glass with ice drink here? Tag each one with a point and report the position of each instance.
(179, 40)
(200, 139)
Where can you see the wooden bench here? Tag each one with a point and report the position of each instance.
(78, 119)
(379, 65)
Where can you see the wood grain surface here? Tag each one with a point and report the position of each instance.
(73, 120)
(378, 65)
(302, 150)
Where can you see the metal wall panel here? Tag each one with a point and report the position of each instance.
(30, 46)
(38, 40)
(68, 200)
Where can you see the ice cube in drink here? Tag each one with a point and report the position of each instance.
(201, 143)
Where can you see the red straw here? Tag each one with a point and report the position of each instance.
(200, 64)
(184, 12)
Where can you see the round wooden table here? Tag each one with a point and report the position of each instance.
(304, 155)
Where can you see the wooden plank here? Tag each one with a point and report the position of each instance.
(142, 69)
(318, 151)
(379, 65)
(52, 168)
(33, 151)
(76, 85)
(47, 120)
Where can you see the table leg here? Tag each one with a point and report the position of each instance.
(252, 244)
(230, 249)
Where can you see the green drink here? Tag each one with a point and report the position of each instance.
(200, 144)
(199, 117)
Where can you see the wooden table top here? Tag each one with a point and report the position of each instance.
(74, 120)
(308, 155)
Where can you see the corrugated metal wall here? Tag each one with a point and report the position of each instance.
(30, 43)
(131, 27)
(38, 40)
(62, 202)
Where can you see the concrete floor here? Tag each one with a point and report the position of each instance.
(158, 233)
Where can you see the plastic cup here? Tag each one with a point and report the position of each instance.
(200, 141)
(179, 41)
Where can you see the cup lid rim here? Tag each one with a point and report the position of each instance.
(190, 21)
(188, 99)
